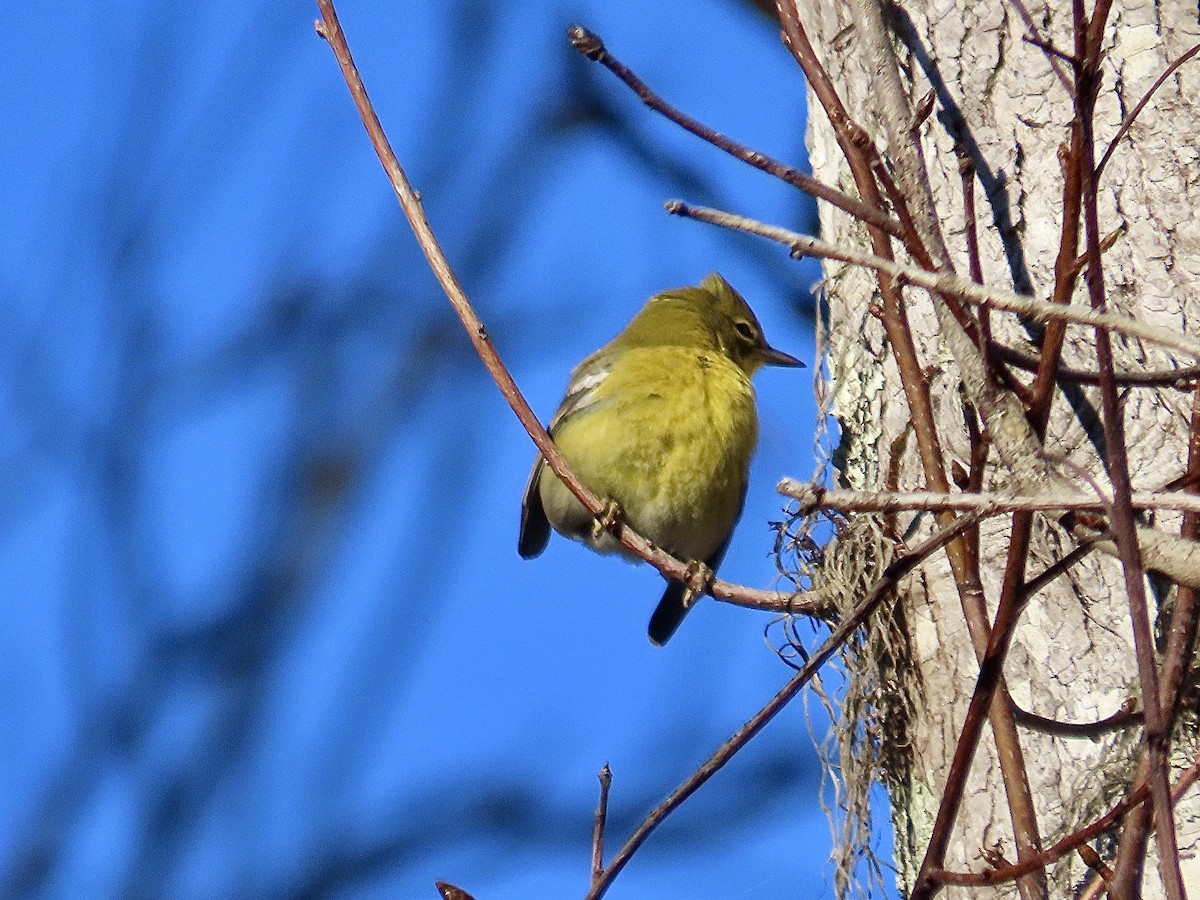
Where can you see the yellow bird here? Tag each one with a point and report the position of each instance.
(662, 421)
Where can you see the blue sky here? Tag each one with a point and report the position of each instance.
(265, 631)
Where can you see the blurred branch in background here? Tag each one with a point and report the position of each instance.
(239, 429)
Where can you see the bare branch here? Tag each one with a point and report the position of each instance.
(942, 283)
(1175, 557)
(1127, 534)
(591, 46)
(896, 570)
(1126, 717)
(812, 496)
(605, 777)
(1161, 378)
(1071, 842)
(1133, 114)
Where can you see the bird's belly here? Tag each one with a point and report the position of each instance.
(678, 480)
(694, 492)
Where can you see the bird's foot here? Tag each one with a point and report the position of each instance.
(699, 580)
(609, 520)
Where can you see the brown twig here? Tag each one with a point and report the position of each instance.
(923, 240)
(979, 447)
(862, 157)
(1110, 241)
(1069, 843)
(1092, 860)
(814, 496)
(591, 46)
(1125, 717)
(892, 574)
(941, 283)
(1047, 47)
(1033, 36)
(410, 202)
(966, 171)
(995, 407)
(987, 694)
(1156, 738)
(1066, 272)
(1031, 588)
(1180, 640)
(605, 777)
(1132, 117)
(1161, 378)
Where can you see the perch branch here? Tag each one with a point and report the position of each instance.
(330, 29)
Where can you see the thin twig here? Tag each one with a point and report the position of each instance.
(1159, 378)
(1033, 36)
(1181, 637)
(1110, 241)
(1069, 843)
(924, 240)
(1126, 717)
(590, 45)
(1156, 738)
(605, 777)
(988, 693)
(941, 283)
(813, 496)
(894, 571)
(1132, 117)
(1014, 589)
(966, 172)
(1047, 47)
(867, 170)
(1092, 860)
(1030, 588)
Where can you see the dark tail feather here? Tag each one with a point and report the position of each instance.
(535, 527)
(671, 609)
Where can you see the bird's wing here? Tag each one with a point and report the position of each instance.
(581, 395)
(583, 389)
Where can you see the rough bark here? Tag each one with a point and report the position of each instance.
(1008, 103)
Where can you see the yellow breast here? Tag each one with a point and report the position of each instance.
(669, 438)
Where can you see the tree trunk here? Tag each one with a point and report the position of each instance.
(1009, 105)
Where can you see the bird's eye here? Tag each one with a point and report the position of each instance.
(744, 329)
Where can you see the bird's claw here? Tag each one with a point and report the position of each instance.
(699, 580)
(609, 520)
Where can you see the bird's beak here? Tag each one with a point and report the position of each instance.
(772, 357)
